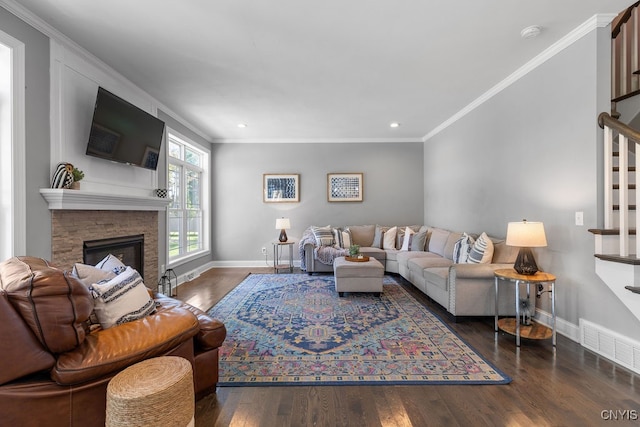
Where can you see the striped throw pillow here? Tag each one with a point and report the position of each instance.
(482, 250)
(323, 235)
(121, 299)
(462, 248)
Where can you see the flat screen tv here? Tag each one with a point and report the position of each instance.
(124, 133)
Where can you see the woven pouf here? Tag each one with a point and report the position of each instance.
(154, 392)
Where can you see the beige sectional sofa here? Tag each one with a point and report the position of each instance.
(463, 289)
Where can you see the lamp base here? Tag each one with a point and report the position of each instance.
(283, 236)
(525, 263)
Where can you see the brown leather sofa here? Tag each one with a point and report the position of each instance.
(54, 372)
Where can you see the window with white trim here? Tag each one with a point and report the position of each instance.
(188, 213)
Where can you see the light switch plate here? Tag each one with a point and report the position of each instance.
(579, 218)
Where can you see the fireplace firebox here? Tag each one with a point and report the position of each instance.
(128, 249)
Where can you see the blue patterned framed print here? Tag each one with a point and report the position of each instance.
(344, 187)
(281, 188)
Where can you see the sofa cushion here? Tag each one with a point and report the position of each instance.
(503, 254)
(22, 354)
(110, 350)
(54, 304)
(389, 240)
(482, 251)
(438, 276)
(438, 240)
(377, 253)
(419, 264)
(404, 257)
(451, 242)
(362, 234)
(323, 235)
(121, 299)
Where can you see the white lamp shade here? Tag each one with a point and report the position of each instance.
(526, 234)
(283, 224)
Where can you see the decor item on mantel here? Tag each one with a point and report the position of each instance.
(62, 175)
(161, 192)
(526, 235)
(283, 224)
(78, 175)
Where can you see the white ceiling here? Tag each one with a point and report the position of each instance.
(328, 70)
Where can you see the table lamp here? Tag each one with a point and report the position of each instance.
(283, 224)
(526, 235)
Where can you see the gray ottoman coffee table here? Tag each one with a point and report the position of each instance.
(364, 276)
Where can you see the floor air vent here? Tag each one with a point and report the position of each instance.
(613, 346)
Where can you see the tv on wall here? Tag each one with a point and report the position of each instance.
(124, 133)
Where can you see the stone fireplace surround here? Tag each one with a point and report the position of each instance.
(78, 216)
(71, 228)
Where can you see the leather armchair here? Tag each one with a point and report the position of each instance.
(55, 372)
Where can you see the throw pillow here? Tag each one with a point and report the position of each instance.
(323, 235)
(121, 299)
(419, 241)
(482, 250)
(88, 274)
(346, 239)
(462, 248)
(406, 242)
(389, 240)
(111, 263)
(337, 237)
(378, 236)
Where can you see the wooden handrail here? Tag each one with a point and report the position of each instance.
(606, 119)
(621, 19)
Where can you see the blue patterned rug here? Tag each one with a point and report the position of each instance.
(293, 329)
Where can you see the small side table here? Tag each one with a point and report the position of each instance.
(277, 249)
(512, 326)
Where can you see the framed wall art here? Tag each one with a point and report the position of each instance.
(281, 188)
(344, 187)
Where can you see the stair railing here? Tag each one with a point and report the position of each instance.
(625, 56)
(623, 136)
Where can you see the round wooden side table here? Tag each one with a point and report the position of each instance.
(512, 326)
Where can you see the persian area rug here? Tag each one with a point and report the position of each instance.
(294, 329)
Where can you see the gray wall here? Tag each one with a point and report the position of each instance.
(532, 152)
(243, 223)
(36, 130)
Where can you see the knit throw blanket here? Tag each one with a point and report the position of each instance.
(323, 254)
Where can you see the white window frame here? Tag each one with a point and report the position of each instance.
(13, 162)
(205, 196)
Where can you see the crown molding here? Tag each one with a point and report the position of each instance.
(596, 21)
(315, 140)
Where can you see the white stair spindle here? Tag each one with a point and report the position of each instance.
(623, 193)
(608, 177)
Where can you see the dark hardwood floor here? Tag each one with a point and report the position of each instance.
(568, 386)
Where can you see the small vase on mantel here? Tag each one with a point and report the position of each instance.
(75, 185)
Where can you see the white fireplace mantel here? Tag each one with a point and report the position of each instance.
(87, 200)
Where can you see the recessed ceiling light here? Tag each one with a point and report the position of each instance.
(394, 125)
(242, 125)
(531, 32)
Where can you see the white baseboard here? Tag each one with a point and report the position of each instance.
(611, 345)
(563, 327)
(248, 264)
(192, 274)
